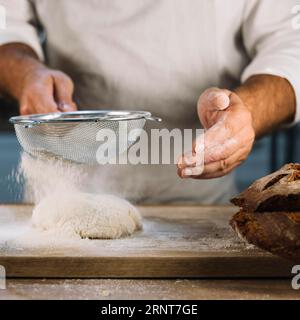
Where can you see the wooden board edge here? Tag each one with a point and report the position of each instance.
(147, 267)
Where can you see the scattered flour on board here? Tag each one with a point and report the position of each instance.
(66, 216)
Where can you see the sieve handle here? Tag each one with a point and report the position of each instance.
(152, 118)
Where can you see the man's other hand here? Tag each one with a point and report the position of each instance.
(228, 137)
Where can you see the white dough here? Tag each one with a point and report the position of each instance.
(86, 215)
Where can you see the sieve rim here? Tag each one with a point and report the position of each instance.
(82, 116)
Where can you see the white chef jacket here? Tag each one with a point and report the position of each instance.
(159, 55)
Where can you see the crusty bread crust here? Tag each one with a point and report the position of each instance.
(279, 191)
(269, 215)
(276, 232)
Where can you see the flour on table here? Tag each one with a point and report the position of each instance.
(58, 190)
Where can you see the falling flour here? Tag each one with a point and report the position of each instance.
(58, 190)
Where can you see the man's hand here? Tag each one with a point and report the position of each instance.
(228, 138)
(45, 90)
(37, 88)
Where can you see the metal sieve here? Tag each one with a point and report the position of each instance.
(72, 135)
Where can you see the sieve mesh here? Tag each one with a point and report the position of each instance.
(73, 139)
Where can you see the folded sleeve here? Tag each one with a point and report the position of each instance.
(20, 24)
(272, 41)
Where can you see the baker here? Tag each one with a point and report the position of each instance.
(241, 57)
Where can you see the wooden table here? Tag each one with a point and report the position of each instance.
(149, 289)
(177, 242)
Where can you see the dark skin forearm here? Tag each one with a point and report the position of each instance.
(271, 101)
(16, 61)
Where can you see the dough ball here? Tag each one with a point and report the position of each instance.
(87, 215)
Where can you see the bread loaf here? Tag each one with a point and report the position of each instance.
(269, 215)
(279, 191)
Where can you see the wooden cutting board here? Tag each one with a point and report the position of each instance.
(176, 241)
